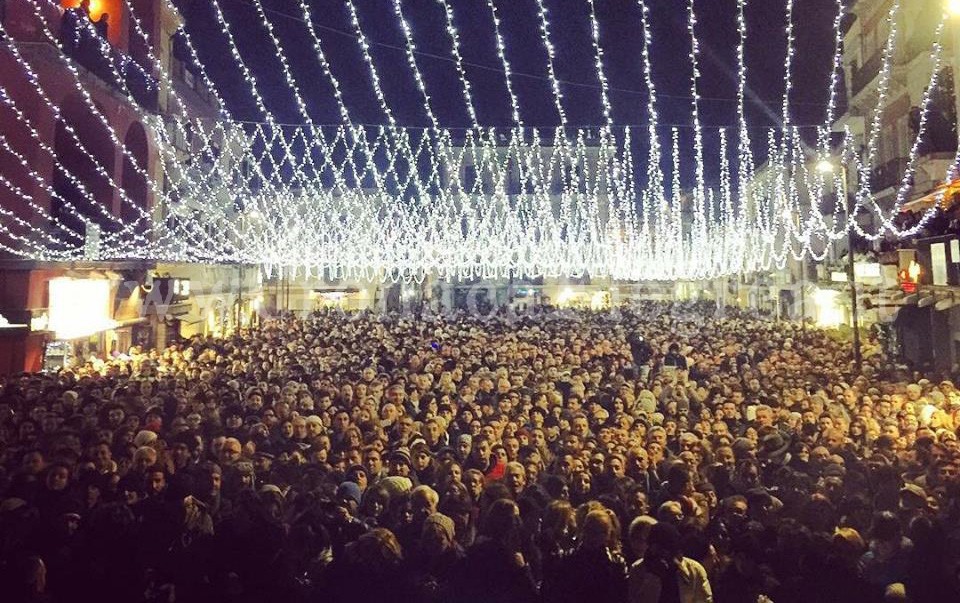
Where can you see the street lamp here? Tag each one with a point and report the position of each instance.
(825, 166)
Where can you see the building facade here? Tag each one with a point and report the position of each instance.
(79, 84)
(916, 292)
(866, 33)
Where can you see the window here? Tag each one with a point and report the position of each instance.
(469, 181)
(513, 178)
(938, 263)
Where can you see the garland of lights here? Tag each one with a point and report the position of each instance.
(126, 231)
(458, 59)
(502, 54)
(598, 62)
(365, 51)
(551, 58)
(398, 204)
(698, 193)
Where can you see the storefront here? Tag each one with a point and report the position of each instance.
(91, 317)
(583, 297)
(339, 299)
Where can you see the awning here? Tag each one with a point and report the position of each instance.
(129, 322)
(945, 195)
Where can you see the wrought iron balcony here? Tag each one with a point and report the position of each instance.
(88, 46)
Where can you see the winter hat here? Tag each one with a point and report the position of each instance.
(443, 522)
(401, 454)
(349, 491)
(647, 401)
(396, 484)
(271, 489)
(833, 470)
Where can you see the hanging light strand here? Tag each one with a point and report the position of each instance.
(502, 53)
(551, 58)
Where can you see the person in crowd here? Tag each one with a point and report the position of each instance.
(344, 457)
(595, 569)
(664, 574)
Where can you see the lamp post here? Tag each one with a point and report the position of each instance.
(826, 166)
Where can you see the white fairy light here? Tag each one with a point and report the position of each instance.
(835, 71)
(284, 65)
(655, 180)
(598, 61)
(371, 68)
(378, 203)
(411, 50)
(324, 64)
(788, 70)
(458, 61)
(745, 165)
(699, 195)
(551, 57)
(502, 53)
(250, 80)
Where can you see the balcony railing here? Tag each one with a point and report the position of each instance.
(90, 48)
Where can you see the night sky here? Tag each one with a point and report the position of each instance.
(620, 31)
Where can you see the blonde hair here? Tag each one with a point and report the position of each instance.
(425, 494)
(848, 543)
(377, 547)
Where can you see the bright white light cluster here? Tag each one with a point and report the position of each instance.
(389, 202)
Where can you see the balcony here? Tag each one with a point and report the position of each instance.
(888, 175)
(865, 74)
(84, 44)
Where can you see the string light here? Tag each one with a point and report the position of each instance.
(502, 54)
(411, 50)
(284, 65)
(371, 68)
(551, 57)
(458, 61)
(398, 204)
(598, 60)
(699, 222)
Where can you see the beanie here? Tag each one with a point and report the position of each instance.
(443, 522)
(349, 491)
(396, 484)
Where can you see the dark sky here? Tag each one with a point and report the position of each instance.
(620, 37)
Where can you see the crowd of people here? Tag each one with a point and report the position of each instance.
(657, 453)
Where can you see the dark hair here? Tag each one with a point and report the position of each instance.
(501, 523)
(666, 537)
(886, 527)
